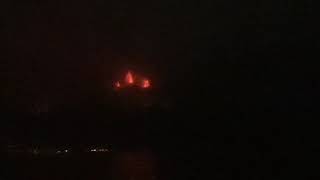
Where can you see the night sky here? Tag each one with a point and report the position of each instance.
(59, 49)
(235, 78)
(230, 56)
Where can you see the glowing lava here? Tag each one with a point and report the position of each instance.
(133, 80)
(145, 83)
(129, 78)
(118, 85)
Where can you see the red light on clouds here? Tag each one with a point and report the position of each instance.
(129, 78)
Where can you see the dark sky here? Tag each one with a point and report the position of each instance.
(62, 51)
(237, 73)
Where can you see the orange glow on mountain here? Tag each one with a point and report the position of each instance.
(132, 80)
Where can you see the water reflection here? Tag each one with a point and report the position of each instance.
(134, 165)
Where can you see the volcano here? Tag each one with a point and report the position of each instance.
(132, 80)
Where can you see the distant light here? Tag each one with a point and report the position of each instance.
(145, 83)
(66, 150)
(93, 150)
(58, 152)
(103, 150)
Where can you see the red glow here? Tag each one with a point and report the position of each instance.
(118, 85)
(145, 83)
(129, 78)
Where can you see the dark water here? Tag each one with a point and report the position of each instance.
(138, 164)
(159, 145)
